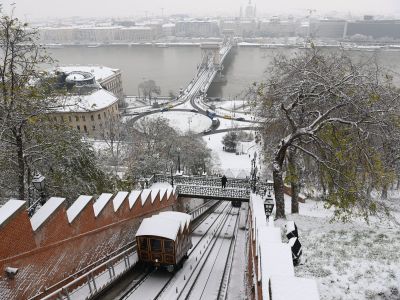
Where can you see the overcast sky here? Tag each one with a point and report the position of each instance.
(34, 9)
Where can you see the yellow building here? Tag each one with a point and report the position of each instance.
(90, 114)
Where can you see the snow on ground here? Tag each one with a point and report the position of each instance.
(349, 260)
(185, 121)
(230, 162)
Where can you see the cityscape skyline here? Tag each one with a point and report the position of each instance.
(43, 9)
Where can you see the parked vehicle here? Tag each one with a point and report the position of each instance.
(227, 117)
(165, 109)
(240, 119)
(164, 240)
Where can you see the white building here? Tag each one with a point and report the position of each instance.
(109, 78)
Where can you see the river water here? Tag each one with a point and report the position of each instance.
(174, 67)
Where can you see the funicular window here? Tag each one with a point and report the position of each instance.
(168, 246)
(155, 245)
(143, 244)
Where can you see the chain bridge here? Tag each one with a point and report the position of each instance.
(209, 187)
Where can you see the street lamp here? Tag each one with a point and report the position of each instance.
(171, 164)
(141, 182)
(254, 172)
(37, 184)
(268, 206)
(179, 160)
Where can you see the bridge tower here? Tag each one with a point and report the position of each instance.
(210, 52)
(229, 36)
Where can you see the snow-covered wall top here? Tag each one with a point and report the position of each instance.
(119, 199)
(145, 194)
(101, 202)
(9, 209)
(274, 258)
(133, 196)
(76, 207)
(46, 211)
(299, 288)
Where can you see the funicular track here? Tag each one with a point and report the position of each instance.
(153, 283)
(207, 279)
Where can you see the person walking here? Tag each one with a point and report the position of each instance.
(224, 180)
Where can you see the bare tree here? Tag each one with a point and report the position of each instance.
(330, 109)
(148, 88)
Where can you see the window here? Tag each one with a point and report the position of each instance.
(83, 118)
(93, 128)
(92, 118)
(84, 128)
(78, 127)
(76, 118)
(155, 245)
(143, 243)
(70, 118)
(105, 115)
(99, 116)
(101, 125)
(168, 246)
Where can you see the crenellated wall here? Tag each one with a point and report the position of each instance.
(57, 242)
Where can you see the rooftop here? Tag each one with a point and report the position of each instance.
(97, 100)
(100, 72)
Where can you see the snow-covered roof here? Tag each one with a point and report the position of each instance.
(45, 212)
(118, 199)
(183, 218)
(293, 288)
(163, 225)
(97, 100)
(9, 209)
(133, 196)
(74, 210)
(145, 194)
(101, 73)
(154, 194)
(101, 202)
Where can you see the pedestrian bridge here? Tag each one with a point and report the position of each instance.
(209, 187)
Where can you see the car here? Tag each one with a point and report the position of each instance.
(227, 117)
(170, 106)
(207, 131)
(165, 109)
(194, 110)
(240, 119)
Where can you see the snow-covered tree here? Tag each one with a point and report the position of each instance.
(336, 113)
(29, 140)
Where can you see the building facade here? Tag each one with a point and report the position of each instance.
(92, 114)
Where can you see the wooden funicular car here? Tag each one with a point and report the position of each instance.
(164, 240)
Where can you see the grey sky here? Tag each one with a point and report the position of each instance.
(33, 9)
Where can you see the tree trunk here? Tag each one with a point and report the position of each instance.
(20, 163)
(278, 190)
(294, 181)
(385, 191)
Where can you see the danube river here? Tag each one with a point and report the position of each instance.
(174, 67)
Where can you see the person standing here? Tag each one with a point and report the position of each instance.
(224, 180)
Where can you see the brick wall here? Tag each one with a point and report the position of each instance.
(58, 249)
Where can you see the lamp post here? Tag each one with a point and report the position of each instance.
(141, 182)
(254, 172)
(37, 184)
(172, 175)
(179, 159)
